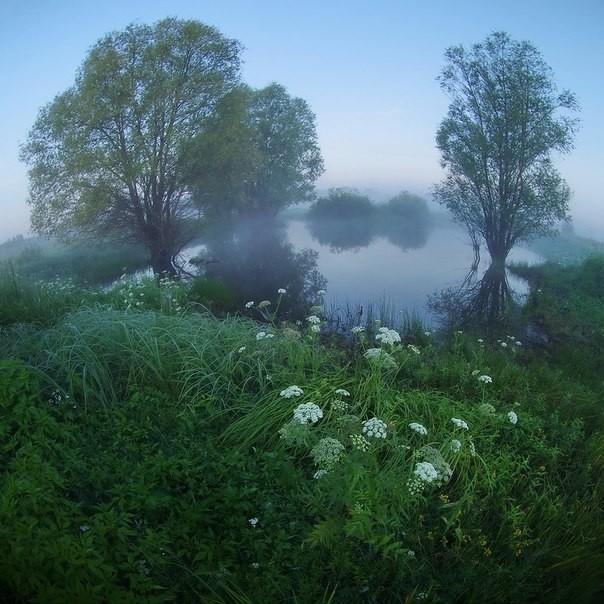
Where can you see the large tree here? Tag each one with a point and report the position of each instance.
(259, 152)
(505, 120)
(107, 154)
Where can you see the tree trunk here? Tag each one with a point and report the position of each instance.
(161, 260)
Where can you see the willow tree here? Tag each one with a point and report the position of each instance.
(106, 155)
(505, 120)
(259, 153)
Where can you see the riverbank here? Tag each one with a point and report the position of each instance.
(155, 453)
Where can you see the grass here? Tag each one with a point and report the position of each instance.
(140, 436)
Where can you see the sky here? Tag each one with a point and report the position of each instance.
(367, 69)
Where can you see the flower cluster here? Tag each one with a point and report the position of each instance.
(443, 470)
(388, 336)
(307, 413)
(313, 320)
(486, 409)
(327, 453)
(340, 406)
(262, 335)
(358, 329)
(459, 423)
(342, 392)
(485, 379)
(249, 304)
(319, 474)
(413, 349)
(264, 304)
(374, 428)
(381, 357)
(360, 442)
(421, 430)
(455, 445)
(281, 291)
(512, 417)
(291, 391)
(425, 471)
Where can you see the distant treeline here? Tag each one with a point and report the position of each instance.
(347, 219)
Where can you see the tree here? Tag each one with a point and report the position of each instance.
(496, 143)
(107, 154)
(268, 159)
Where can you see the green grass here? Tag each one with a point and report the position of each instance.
(139, 436)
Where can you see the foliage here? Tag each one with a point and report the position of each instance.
(496, 142)
(259, 153)
(153, 454)
(107, 153)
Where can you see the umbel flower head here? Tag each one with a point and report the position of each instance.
(281, 291)
(327, 453)
(380, 357)
(342, 392)
(291, 391)
(307, 413)
(421, 430)
(459, 423)
(388, 336)
(374, 428)
(485, 379)
(313, 320)
(425, 471)
(512, 417)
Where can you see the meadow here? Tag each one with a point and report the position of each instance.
(152, 451)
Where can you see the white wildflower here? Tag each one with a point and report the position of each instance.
(413, 349)
(342, 392)
(268, 336)
(427, 333)
(475, 372)
(410, 553)
(512, 417)
(261, 335)
(485, 379)
(281, 291)
(319, 473)
(480, 341)
(249, 304)
(421, 430)
(255, 565)
(241, 349)
(374, 428)
(264, 304)
(327, 453)
(518, 343)
(503, 344)
(381, 357)
(313, 320)
(358, 329)
(253, 522)
(315, 328)
(455, 445)
(459, 423)
(291, 391)
(360, 442)
(321, 292)
(307, 413)
(388, 336)
(340, 406)
(425, 471)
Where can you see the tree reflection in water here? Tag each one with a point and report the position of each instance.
(253, 259)
(484, 301)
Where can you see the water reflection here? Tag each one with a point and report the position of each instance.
(478, 301)
(405, 232)
(253, 259)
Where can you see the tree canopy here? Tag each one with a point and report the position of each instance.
(259, 152)
(505, 119)
(107, 154)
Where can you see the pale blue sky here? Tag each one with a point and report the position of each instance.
(367, 69)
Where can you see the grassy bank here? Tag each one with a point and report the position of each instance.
(154, 453)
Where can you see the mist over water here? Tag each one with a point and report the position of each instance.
(356, 264)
